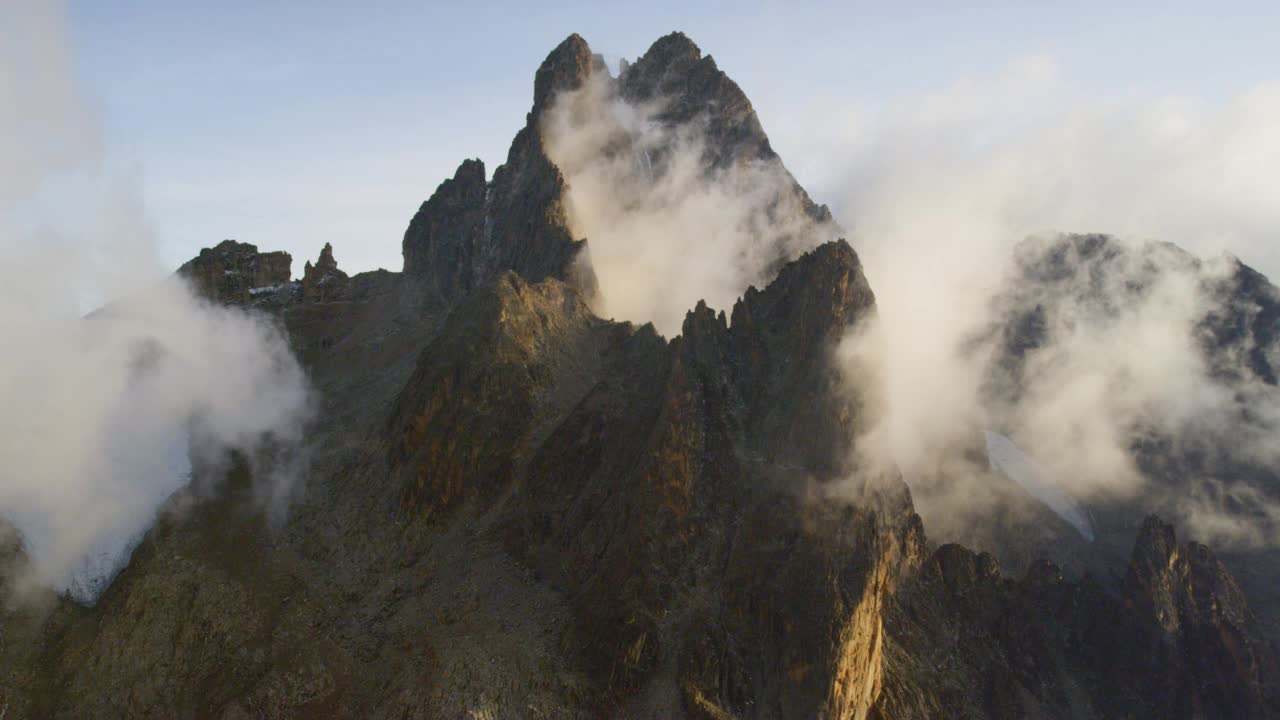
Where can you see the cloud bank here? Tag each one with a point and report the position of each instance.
(941, 192)
(100, 416)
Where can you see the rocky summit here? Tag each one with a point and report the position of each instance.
(234, 273)
(514, 508)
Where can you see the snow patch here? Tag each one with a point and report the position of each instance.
(163, 469)
(1019, 467)
(87, 580)
(266, 289)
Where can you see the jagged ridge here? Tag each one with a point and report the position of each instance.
(519, 509)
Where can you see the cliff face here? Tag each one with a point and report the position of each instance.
(662, 487)
(691, 90)
(234, 273)
(518, 509)
(471, 231)
(1178, 642)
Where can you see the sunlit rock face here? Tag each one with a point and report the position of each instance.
(324, 282)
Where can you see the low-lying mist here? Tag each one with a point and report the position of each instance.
(102, 415)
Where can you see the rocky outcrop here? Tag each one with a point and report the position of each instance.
(324, 282)
(1203, 631)
(781, 344)
(691, 91)
(690, 87)
(673, 490)
(440, 242)
(1178, 642)
(471, 232)
(1243, 323)
(234, 273)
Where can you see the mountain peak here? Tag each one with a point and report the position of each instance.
(324, 281)
(674, 51)
(565, 68)
(437, 245)
(690, 87)
(326, 261)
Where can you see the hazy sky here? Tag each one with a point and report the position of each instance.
(292, 124)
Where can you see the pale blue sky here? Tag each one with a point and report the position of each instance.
(292, 124)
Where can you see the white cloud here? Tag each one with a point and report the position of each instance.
(98, 415)
(663, 229)
(938, 190)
